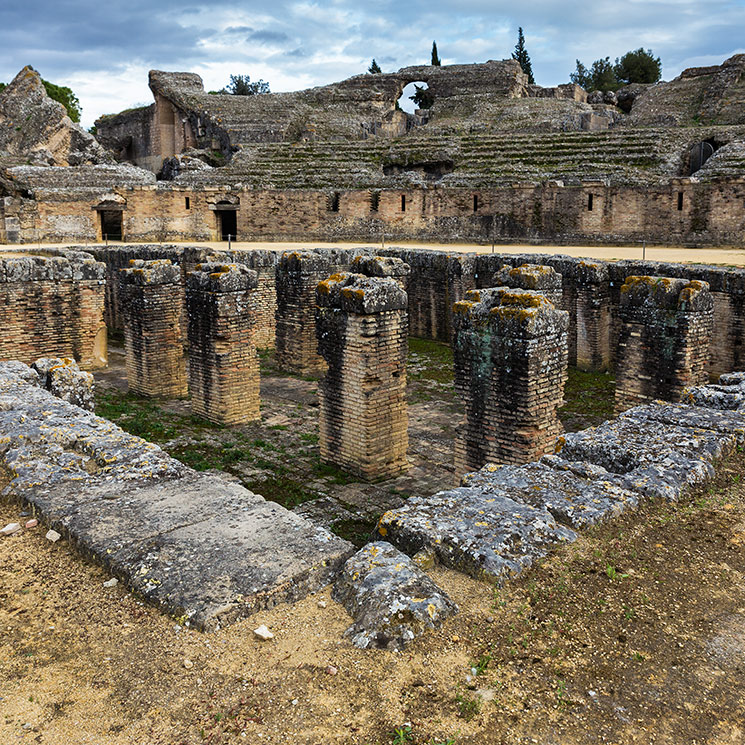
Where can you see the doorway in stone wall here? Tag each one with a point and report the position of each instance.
(111, 225)
(227, 224)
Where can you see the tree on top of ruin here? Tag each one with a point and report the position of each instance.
(521, 55)
(374, 68)
(435, 57)
(241, 85)
(639, 66)
(64, 95)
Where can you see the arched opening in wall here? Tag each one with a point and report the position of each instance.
(227, 221)
(700, 153)
(332, 202)
(416, 96)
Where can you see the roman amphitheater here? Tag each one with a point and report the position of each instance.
(282, 461)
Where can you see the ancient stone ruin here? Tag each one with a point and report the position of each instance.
(510, 350)
(151, 303)
(223, 365)
(663, 344)
(363, 336)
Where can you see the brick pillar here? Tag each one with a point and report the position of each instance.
(362, 332)
(90, 346)
(223, 364)
(663, 345)
(298, 275)
(593, 316)
(150, 301)
(382, 266)
(543, 279)
(510, 350)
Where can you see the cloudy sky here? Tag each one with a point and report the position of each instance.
(103, 49)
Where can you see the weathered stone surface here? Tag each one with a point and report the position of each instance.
(361, 326)
(510, 354)
(194, 545)
(34, 126)
(574, 500)
(663, 343)
(476, 531)
(655, 450)
(391, 600)
(728, 395)
(64, 379)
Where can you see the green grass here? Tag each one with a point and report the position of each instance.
(283, 490)
(589, 396)
(430, 361)
(354, 530)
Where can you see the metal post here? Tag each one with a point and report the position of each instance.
(106, 238)
(382, 239)
(644, 250)
(229, 242)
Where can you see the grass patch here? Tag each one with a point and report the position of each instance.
(589, 399)
(354, 530)
(283, 490)
(430, 361)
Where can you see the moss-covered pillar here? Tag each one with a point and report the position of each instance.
(150, 301)
(543, 279)
(362, 333)
(298, 275)
(510, 351)
(663, 346)
(593, 316)
(223, 364)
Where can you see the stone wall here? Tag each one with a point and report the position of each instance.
(510, 354)
(53, 307)
(663, 345)
(298, 275)
(152, 314)
(223, 364)
(362, 335)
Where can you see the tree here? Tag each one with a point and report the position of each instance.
(422, 97)
(521, 55)
(435, 57)
(639, 66)
(374, 68)
(603, 76)
(581, 76)
(2, 85)
(66, 97)
(241, 85)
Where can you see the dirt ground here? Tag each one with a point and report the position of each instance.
(634, 634)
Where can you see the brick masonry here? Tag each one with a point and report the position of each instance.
(663, 343)
(362, 335)
(510, 352)
(52, 306)
(151, 308)
(223, 364)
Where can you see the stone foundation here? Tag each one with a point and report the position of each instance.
(510, 352)
(541, 278)
(223, 365)
(362, 335)
(52, 306)
(151, 308)
(663, 344)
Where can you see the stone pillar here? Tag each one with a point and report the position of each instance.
(363, 336)
(663, 345)
(150, 299)
(382, 266)
(298, 275)
(223, 364)
(510, 351)
(593, 316)
(543, 279)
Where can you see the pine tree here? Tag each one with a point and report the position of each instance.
(374, 68)
(521, 55)
(435, 58)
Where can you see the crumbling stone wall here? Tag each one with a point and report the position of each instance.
(53, 307)
(298, 275)
(152, 312)
(510, 353)
(541, 278)
(223, 364)
(663, 344)
(362, 335)
(264, 263)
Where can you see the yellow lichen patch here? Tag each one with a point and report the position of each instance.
(560, 442)
(463, 307)
(525, 299)
(507, 312)
(324, 286)
(431, 611)
(474, 295)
